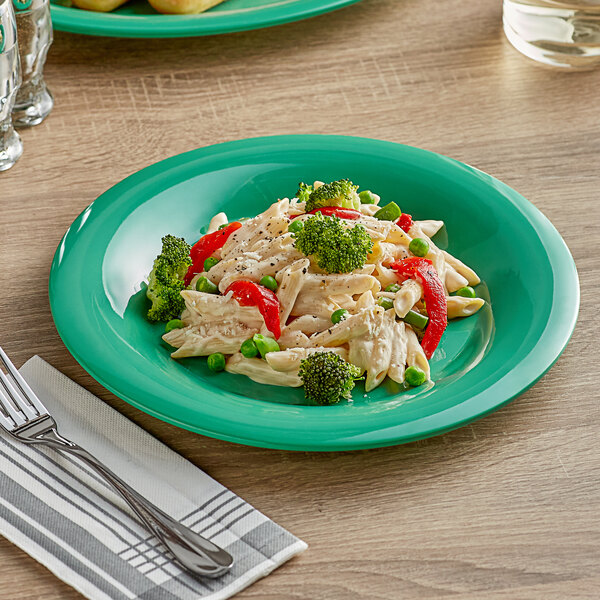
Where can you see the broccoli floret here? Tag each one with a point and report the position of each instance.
(337, 249)
(304, 191)
(340, 193)
(327, 377)
(166, 279)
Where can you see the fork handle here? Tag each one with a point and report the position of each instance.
(193, 551)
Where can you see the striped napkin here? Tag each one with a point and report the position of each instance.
(58, 511)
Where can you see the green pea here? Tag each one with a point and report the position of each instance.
(390, 212)
(265, 344)
(466, 292)
(368, 197)
(206, 285)
(174, 324)
(419, 247)
(393, 287)
(339, 315)
(414, 376)
(216, 362)
(269, 282)
(249, 349)
(387, 303)
(296, 226)
(416, 319)
(210, 262)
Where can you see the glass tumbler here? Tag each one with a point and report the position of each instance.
(11, 147)
(34, 28)
(555, 32)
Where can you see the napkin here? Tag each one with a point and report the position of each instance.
(61, 513)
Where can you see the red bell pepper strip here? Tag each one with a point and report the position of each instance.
(206, 246)
(404, 222)
(248, 293)
(335, 211)
(423, 271)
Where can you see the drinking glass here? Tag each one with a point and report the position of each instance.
(11, 147)
(34, 28)
(555, 32)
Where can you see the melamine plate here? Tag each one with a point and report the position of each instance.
(529, 281)
(137, 19)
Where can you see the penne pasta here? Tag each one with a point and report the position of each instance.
(321, 306)
(334, 284)
(407, 296)
(365, 300)
(469, 275)
(291, 279)
(399, 353)
(344, 301)
(205, 338)
(259, 370)
(202, 307)
(415, 357)
(291, 338)
(309, 324)
(430, 228)
(385, 275)
(216, 222)
(454, 280)
(381, 352)
(369, 209)
(458, 306)
(398, 236)
(360, 348)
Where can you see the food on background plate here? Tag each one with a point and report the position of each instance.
(98, 5)
(175, 7)
(183, 7)
(321, 290)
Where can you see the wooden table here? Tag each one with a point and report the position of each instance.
(505, 508)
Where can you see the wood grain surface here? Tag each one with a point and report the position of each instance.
(505, 508)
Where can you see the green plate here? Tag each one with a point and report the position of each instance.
(137, 19)
(530, 282)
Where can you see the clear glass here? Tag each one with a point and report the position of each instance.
(11, 147)
(34, 28)
(560, 34)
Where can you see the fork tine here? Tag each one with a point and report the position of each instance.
(25, 398)
(6, 422)
(8, 409)
(15, 399)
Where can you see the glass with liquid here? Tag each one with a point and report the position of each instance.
(558, 33)
(11, 147)
(34, 28)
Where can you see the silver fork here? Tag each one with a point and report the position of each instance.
(24, 417)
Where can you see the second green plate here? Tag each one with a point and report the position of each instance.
(137, 19)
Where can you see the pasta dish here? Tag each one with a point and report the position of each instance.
(320, 290)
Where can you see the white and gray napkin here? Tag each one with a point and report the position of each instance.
(63, 515)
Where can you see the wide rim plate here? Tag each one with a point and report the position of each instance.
(138, 20)
(96, 293)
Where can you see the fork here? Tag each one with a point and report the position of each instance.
(24, 417)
